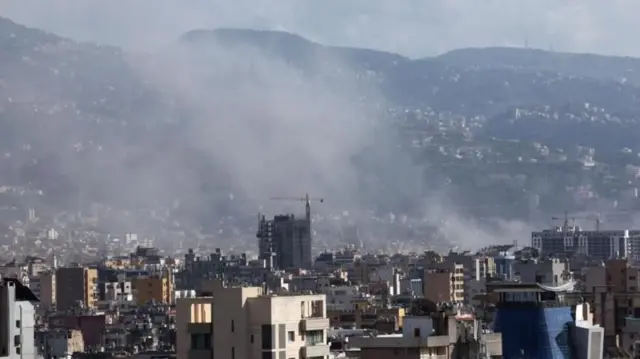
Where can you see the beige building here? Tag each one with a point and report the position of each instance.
(422, 337)
(612, 289)
(445, 283)
(247, 324)
(76, 285)
(193, 325)
(62, 343)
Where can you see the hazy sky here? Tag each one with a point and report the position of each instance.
(411, 27)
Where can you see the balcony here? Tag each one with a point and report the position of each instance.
(434, 341)
(200, 328)
(308, 324)
(313, 351)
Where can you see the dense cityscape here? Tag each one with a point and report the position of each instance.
(247, 194)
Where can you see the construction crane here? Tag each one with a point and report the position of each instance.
(305, 199)
(596, 217)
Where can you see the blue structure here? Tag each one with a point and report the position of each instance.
(533, 323)
(504, 266)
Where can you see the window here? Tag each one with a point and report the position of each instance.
(416, 332)
(314, 337)
(233, 326)
(233, 353)
(317, 309)
(200, 341)
(251, 338)
(18, 324)
(267, 337)
(292, 336)
(18, 350)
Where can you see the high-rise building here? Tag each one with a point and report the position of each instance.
(17, 320)
(76, 286)
(285, 242)
(568, 240)
(245, 323)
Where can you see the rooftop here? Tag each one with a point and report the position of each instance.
(23, 293)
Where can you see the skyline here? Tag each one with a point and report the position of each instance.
(418, 29)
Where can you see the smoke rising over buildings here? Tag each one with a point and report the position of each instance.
(263, 124)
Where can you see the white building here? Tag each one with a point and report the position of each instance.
(17, 316)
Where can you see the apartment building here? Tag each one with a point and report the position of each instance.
(43, 286)
(551, 272)
(75, 285)
(17, 320)
(120, 291)
(249, 324)
(445, 283)
(419, 339)
(62, 343)
(194, 327)
(613, 289)
(475, 269)
(153, 288)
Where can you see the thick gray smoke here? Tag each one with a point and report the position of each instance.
(270, 128)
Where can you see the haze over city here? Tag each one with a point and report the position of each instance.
(331, 179)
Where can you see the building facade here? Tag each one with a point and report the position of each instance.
(76, 285)
(571, 240)
(445, 283)
(546, 333)
(285, 242)
(245, 323)
(17, 320)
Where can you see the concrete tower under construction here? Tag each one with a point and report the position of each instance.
(285, 241)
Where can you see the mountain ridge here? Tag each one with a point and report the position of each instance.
(491, 57)
(78, 118)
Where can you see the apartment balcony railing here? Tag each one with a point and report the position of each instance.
(315, 351)
(308, 324)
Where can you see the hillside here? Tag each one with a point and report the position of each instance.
(200, 128)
